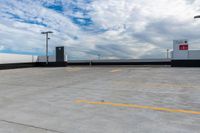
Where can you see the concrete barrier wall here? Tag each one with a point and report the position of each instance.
(16, 58)
(121, 60)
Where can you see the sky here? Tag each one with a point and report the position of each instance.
(111, 29)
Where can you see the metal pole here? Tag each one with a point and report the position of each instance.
(47, 50)
(195, 17)
(167, 53)
(47, 57)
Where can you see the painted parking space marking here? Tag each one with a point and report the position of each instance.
(139, 107)
(115, 70)
(71, 69)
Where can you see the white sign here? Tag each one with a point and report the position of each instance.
(177, 52)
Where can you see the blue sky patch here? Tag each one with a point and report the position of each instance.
(82, 21)
(57, 6)
(29, 21)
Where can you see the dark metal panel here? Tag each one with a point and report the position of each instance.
(60, 54)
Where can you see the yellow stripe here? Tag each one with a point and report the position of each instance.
(139, 106)
(71, 69)
(115, 70)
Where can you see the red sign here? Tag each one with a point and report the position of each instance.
(183, 47)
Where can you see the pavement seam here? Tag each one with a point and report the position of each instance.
(31, 126)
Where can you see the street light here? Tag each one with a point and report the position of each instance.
(47, 39)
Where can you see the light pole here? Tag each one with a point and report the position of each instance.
(167, 53)
(197, 16)
(47, 39)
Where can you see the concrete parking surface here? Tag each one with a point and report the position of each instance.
(100, 100)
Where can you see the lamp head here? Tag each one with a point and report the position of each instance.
(198, 16)
(47, 32)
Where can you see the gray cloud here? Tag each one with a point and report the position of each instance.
(190, 1)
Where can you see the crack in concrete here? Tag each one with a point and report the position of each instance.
(31, 126)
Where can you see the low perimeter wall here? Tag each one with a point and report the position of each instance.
(16, 65)
(10, 61)
(121, 62)
(185, 63)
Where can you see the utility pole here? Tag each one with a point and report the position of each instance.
(47, 41)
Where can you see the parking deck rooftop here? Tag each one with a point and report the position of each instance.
(100, 100)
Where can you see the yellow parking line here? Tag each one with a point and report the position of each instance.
(73, 69)
(115, 70)
(139, 107)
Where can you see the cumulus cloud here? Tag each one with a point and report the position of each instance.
(110, 28)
